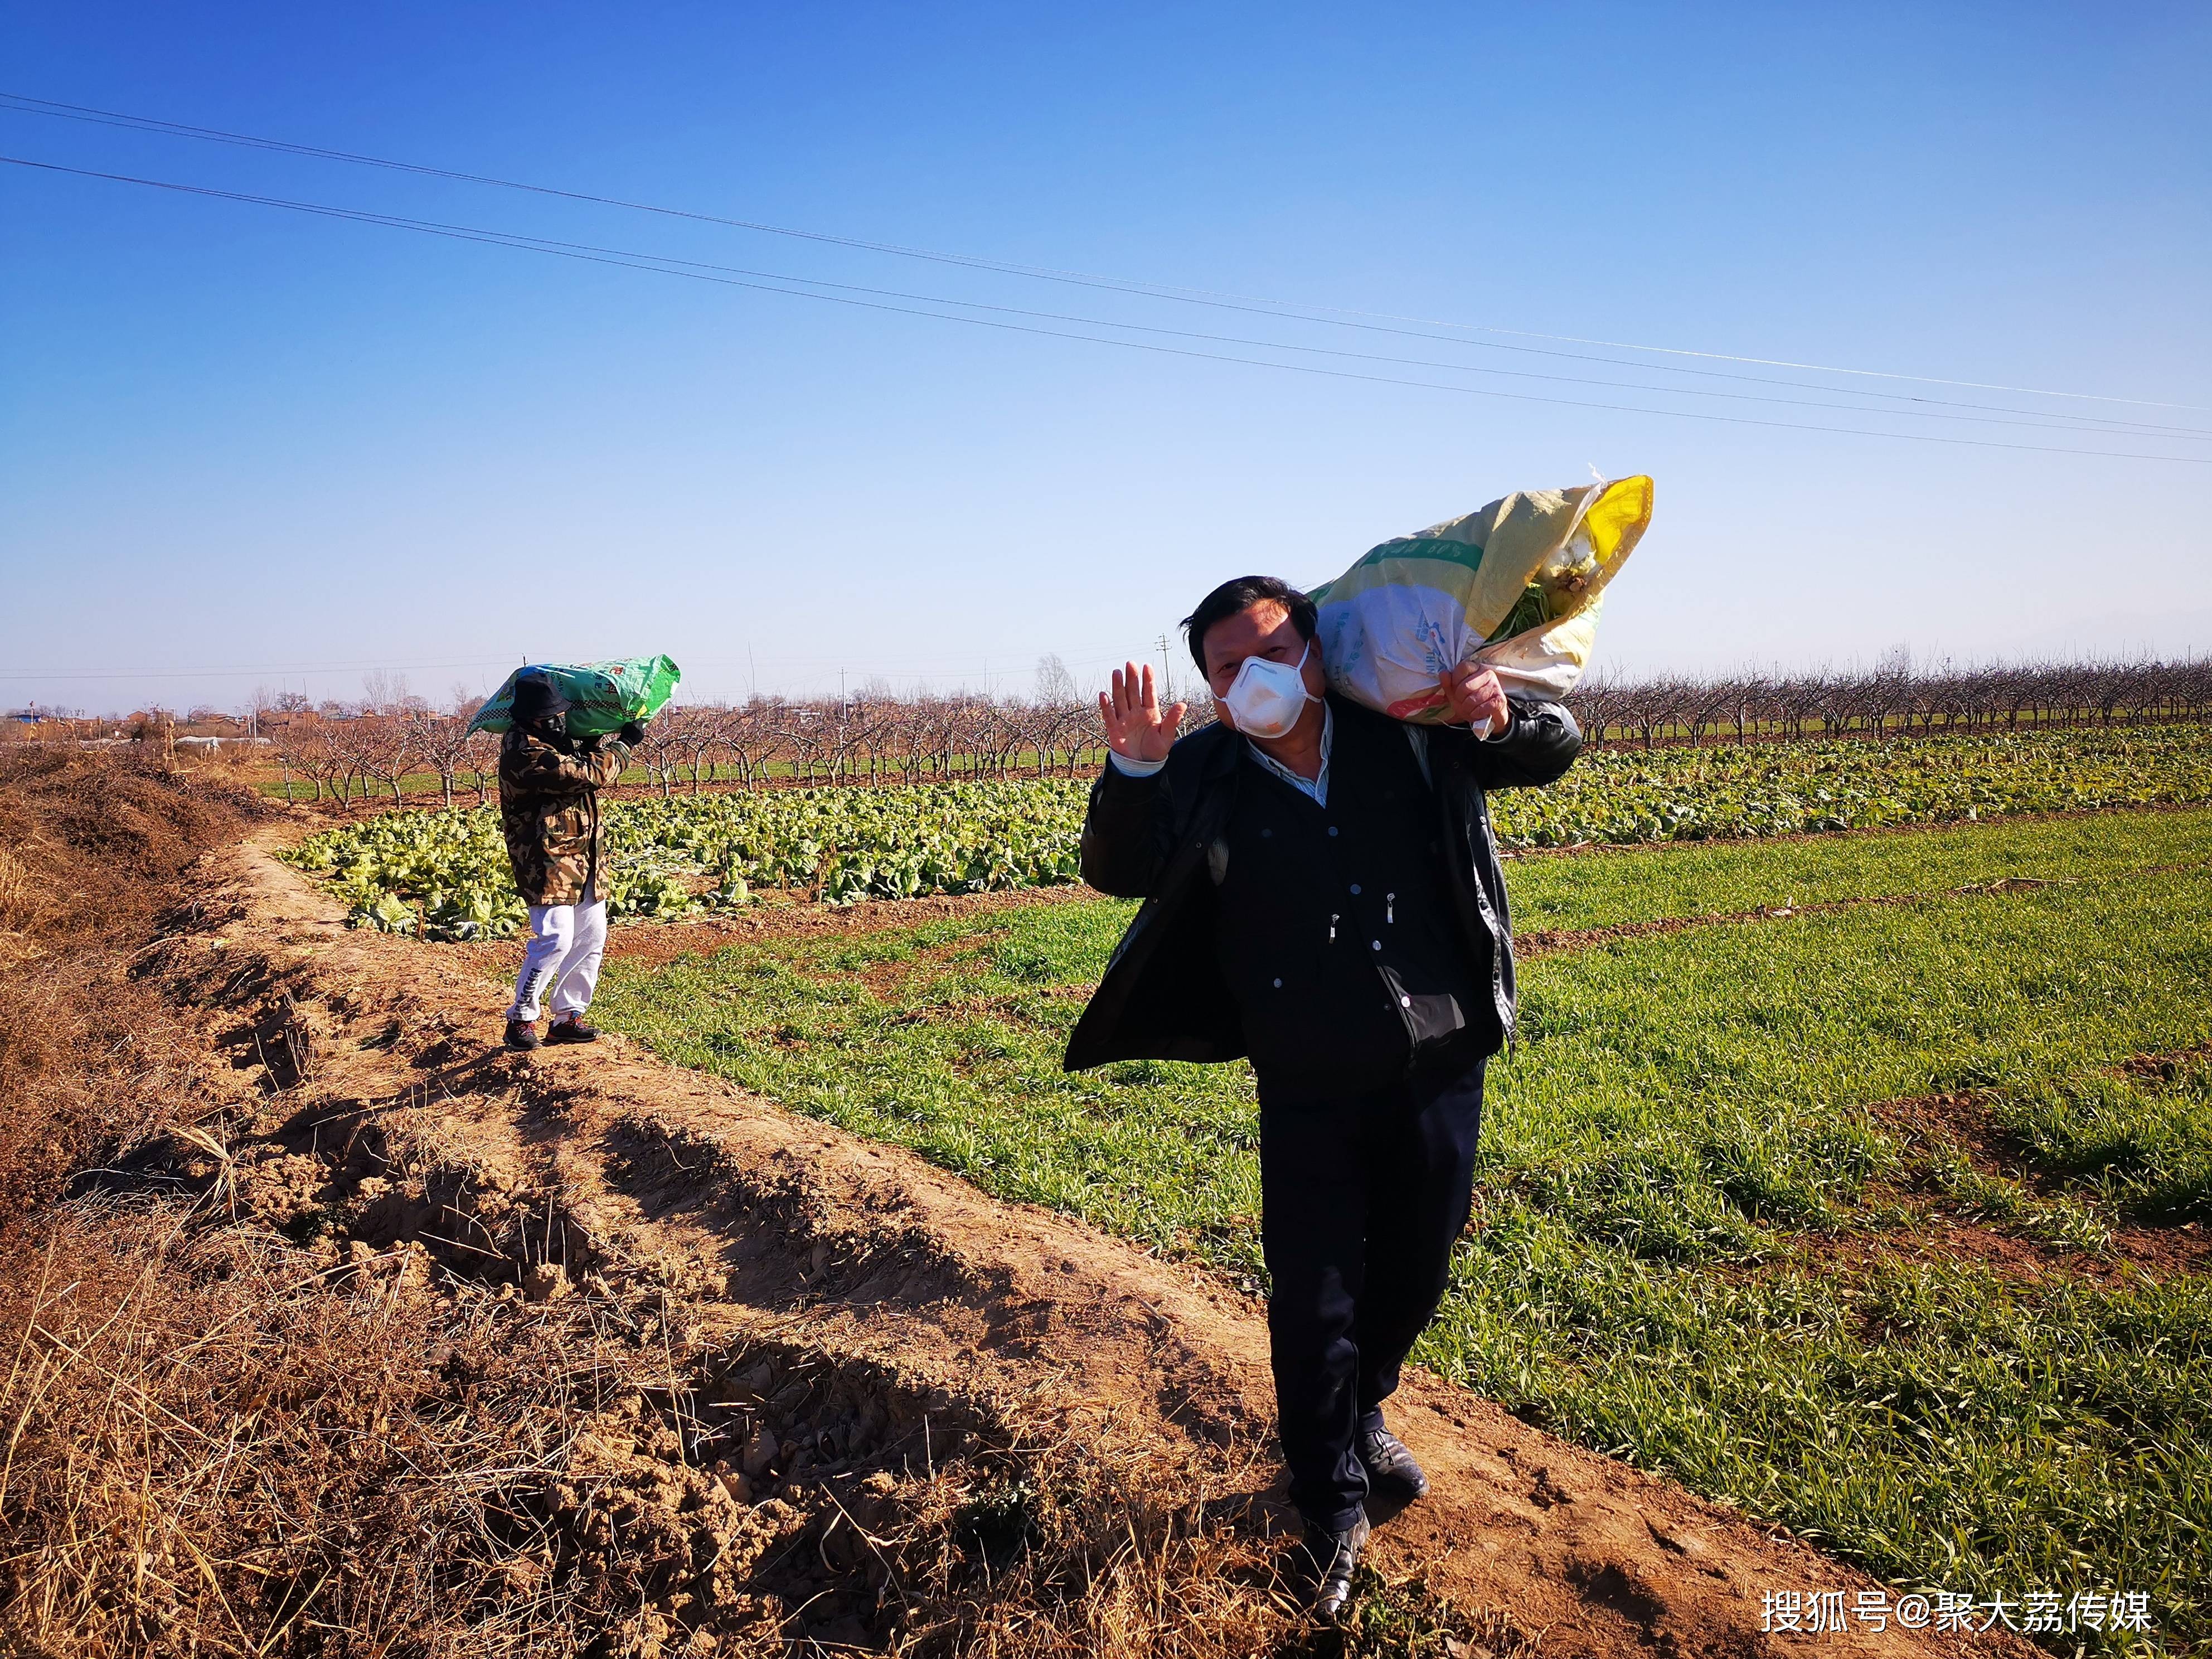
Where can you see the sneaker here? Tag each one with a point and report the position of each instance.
(572, 1028)
(1390, 1464)
(1336, 1559)
(522, 1034)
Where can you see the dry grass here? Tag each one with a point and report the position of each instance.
(23, 898)
(211, 1450)
(220, 1443)
(217, 1442)
(92, 849)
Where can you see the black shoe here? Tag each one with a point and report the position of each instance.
(572, 1030)
(1335, 1558)
(1390, 1464)
(522, 1034)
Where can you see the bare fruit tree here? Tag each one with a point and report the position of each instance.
(878, 738)
(310, 744)
(382, 747)
(441, 742)
(743, 734)
(662, 750)
(482, 753)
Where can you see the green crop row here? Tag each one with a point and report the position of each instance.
(1627, 796)
(444, 874)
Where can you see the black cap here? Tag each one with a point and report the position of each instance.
(538, 701)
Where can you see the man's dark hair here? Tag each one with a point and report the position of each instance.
(1229, 598)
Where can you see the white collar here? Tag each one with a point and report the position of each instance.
(1317, 786)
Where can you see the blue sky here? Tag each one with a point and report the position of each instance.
(241, 446)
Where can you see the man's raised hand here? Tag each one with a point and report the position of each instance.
(1137, 727)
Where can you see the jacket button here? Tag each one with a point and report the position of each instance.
(1332, 829)
(1376, 945)
(1355, 889)
(1279, 985)
(1405, 1002)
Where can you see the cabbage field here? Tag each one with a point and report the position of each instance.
(443, 875)
(1627, 796)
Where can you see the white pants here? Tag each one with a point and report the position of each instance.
(562, 956)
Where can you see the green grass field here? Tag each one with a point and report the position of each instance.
(1703, 1240)
(1727, 878)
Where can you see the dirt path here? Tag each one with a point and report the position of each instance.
(786, 1232)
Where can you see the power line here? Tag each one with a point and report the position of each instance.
(22, 103)
(1255, 306)
(2041, 422)
(691, 270)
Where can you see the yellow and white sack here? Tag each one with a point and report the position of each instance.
(1515, 587)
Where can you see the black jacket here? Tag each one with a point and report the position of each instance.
(1163, 997)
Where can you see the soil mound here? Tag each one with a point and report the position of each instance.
(92, 851)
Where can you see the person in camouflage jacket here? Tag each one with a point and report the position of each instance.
(549, 810)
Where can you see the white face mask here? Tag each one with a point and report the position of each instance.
(1267, 697)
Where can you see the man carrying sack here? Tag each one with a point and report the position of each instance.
(1322, 894)
(548, 808)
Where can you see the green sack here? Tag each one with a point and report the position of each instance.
(603, 697)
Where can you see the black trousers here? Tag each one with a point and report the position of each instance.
(1362, 1199)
